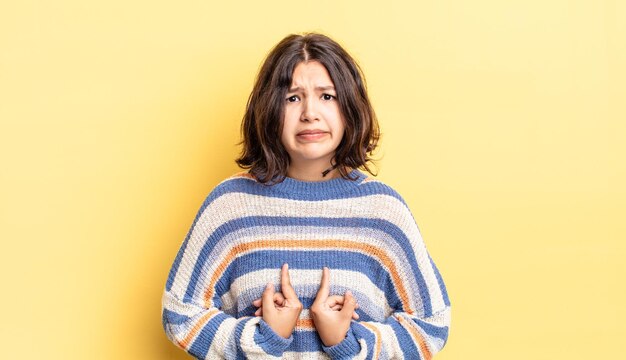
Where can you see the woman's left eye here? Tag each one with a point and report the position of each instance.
(327, 97)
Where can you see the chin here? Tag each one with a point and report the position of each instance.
(317, 156)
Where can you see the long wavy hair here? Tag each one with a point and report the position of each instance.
(263, 152)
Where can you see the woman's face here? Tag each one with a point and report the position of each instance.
(313, 125)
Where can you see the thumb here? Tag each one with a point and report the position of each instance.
(349, 305)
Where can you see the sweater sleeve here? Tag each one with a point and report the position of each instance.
(194, 321)
(418, 327)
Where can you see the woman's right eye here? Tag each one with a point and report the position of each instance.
(292, 98)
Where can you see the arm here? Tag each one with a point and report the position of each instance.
(400, 336)
(209, 333)
(191, 312)
(418, 325)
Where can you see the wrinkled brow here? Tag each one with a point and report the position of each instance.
(327, 87)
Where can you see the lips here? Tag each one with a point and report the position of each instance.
(311, 132)
(311, 135)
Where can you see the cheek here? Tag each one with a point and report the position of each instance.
(333, 114)
(340, 125)
(283, 135)
(287, 130)
(291, 118)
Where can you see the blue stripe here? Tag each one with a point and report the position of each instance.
(368, 310)
(433, 330)
(361, 332)
(260, 341)
(200, 346)
(314, 259)
(237, 335)
(252, 187)
(249, 186)
(247, 222)
(363, 302)
(442, 286)
(268, 340)
(175, 318)
(407, 344)
(305, 341)
(181, 251)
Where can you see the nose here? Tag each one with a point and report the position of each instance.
(309, 110)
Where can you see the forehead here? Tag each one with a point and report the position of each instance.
(311, 72)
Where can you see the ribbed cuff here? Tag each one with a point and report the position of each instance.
(346, 349)
(272, 342)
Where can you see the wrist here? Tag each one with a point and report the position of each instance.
(333, 338)
(271, 340)
(346, 349)
(280, 329)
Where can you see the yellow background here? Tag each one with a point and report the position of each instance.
(503, 127)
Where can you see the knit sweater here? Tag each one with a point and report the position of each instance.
(362, 230)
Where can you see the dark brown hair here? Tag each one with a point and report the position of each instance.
(261, 128)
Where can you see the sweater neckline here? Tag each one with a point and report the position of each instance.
(332, 186)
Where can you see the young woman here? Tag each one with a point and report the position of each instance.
(303, 256)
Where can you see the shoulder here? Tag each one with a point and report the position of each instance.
(240, 178)
(239, 182)
(387, 197)
(374, 186)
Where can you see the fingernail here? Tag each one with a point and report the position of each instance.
(348, 293)
(269, 286)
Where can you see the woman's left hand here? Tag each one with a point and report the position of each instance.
(332, 325)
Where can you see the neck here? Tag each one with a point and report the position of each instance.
(312, 172)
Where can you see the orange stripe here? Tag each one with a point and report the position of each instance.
(199, 325)
(416, 336)
(374, 329)
(305, 324)
(316, 244)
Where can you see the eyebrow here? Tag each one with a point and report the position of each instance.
(327, 87)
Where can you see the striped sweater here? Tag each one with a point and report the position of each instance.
(362, 230)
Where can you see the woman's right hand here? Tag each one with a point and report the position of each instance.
(281, 310)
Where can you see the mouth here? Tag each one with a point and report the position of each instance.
(311, 134)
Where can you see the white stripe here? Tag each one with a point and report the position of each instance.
(170, 302)
(239, 287)
(371, 237)
(364, 350)
(235, 292)
(222, 338)
(389, 341)
(310, 279)
(377, 206)
(289, 355)
(440, 319)
(249, 347)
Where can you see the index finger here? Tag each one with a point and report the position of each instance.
(324, 289)
(285, 283)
